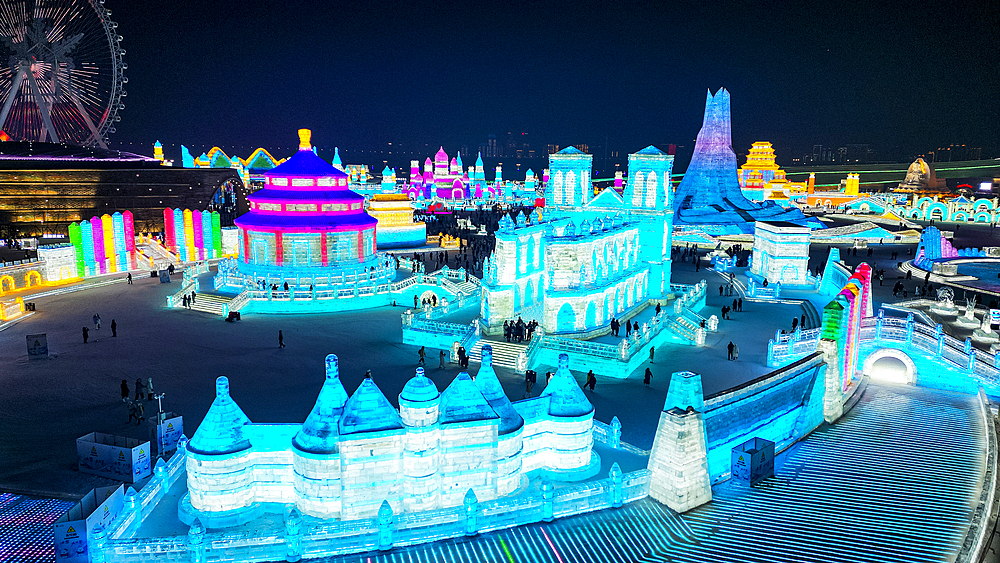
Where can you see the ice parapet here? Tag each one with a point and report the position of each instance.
(489, 386)
(319, 433)
(565, 394)
(222, 429)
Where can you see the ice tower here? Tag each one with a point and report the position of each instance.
(709, 197)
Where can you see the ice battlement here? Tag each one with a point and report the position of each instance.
(354, 452)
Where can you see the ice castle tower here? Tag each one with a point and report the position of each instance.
(709, 197)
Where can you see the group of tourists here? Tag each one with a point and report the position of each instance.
(519, 331)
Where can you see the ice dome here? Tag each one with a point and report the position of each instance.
(489, 385)
(419, 389)
(441, 156)
(566, 396)
(319, 433)
(221, 431)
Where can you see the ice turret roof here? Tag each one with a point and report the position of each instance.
(462, 401)
(319, 433)
(419, 389)
(489, 386)
(336, 157)
(566, 396)
(571, 150)
(479, 160)
(369, 411)
(651, 150)
(222, 429)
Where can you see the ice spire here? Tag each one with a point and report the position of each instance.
(319, 433)
(567, 398)
(221, 431)
(489, 385)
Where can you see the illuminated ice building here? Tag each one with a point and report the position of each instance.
(591, 257)
(306, 224)
(354, 452)
(396, 227)
(709, 197)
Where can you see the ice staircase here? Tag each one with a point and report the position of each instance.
(681, 328)
(504, 353)
(210, 303)
(467, 288)
(862, 489)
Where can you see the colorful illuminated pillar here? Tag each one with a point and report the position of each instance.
(217, 234)
(118, 225)
(169, 233)
(76, 239)
(87, 244)
(188, 236)
(279, 249)
(199, 239)
(109, 242)
(98, 229)
(129, 231)
(206, 233)
(179, 247)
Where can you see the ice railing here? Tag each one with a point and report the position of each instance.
(188, 285)
(629, 346)
(297, 538)
(229, 275)
(446, 306)
(931, 340)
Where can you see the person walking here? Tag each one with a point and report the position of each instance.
(86, 333)
(795, 323)
(463, 357)
(591, 380)
(129, 278)
(132, 412)
(114, 328)
(140, 412)
(139, 390)
(647, 377)
(652, 352)
(740, 307)
(124, 387)
(730, 348)
(97, 321)
(423, 354)
(802, 321)
(281, 340)
(149, 389)
(735, 305)
(628, 329)
(657, 309)
(736, 352)
(441, 356)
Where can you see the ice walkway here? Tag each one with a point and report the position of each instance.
(895, 479)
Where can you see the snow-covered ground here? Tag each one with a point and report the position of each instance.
(46, 404)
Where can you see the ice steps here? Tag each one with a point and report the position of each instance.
(208, 303)
(504, 353)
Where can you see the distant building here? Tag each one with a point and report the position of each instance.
(761, 178)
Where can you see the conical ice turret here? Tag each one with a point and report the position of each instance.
(222, 429)
(319, 433)
(489, 385)
(567, 398)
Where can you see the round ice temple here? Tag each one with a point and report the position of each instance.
(306, 227)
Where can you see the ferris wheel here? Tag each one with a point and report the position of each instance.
(61, 71)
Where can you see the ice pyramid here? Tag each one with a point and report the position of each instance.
(489, 385)
(319, 433)
(368, 411)
(709, 196)
(221, 431)
(566, 396)
(462, 401)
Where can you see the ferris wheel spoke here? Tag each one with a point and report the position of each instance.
(15, 91)
(95, 134)
(43, 109)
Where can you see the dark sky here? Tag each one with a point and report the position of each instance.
(905, 76)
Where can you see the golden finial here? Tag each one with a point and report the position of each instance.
(305, 139)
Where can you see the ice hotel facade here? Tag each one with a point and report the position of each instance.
(590, 257)
(353, 453)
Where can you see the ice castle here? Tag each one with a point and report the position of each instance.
(354, 452)
(709, 197)
(589, 257)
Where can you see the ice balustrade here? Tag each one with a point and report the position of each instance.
(187, 286)
(296, 537)
(934, 341)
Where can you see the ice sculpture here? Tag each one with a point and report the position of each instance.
(352, 454)
(709, 196)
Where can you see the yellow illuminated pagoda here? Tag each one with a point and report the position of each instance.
(761, 178)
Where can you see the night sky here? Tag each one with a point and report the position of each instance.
(905, 77)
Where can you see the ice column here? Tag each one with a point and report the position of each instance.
(833, 396)
(678, 461)
(419, 407)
